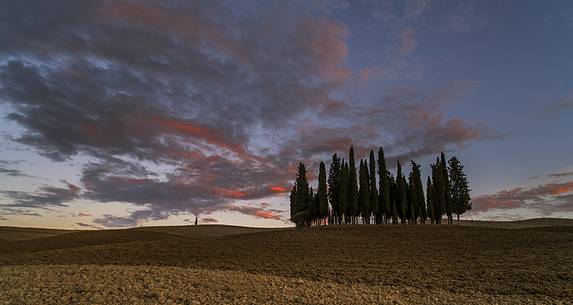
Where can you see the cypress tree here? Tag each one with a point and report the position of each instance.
(393, 199)
(384, 198)
(322, 194)
(459, 188)
(313, 210)
(334, 180)
(353, 187)
(374, 207)
(446, 188)
(418, 190)
(343, 195)
(438, 199)
(430, 196)
(412, 195)
(293, 203)
(364, 192)
(300, 198)
(421, 205)
(402, 200)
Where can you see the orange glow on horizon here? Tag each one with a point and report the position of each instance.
(278, 189)
(236, 194)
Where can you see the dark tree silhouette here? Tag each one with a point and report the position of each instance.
(374, 206)
(356, 194)
(412, 214)
(430, 196)
(300, 199)
(322, 194)
(438, 192)
(401, 188)
(393, 199)
(313, 212)
(412, 200)
(417, 190)
(364, 192)
(343, 195)
(334, 183)
(384, 189)
(459, 188)
(352, 188)
(446, 181)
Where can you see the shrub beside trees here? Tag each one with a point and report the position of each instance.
(347, 198)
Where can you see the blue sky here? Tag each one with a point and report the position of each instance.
(129, 113)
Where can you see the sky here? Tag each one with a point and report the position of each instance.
(135, 113)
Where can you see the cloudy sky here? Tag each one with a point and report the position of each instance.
(126, 113)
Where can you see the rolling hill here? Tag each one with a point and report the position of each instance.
(337, 265)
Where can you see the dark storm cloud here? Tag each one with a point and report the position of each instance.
(208, 220)
(560, 175)
(185, 86)
(258, 211)
(5, 169)
(546, 198)
(407, 122)
(87, 225)
(44, 198)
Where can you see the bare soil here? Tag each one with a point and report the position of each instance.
(421, 264)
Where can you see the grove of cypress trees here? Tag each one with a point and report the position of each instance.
(352, 187)
(374, 207)
(459, 188)
(322, 194)
(430, 196)
(384, 189)
(356, 194)
(334, 180)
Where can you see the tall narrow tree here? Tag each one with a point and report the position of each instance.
(418, 190)
(384, 189)
(459, 188)
(438, 199)
(413, 194)
(334, 178)
(313, 210)
(353, 186)
(430, 196)
(293, 203)
(343, 193)
(446, 186)
(300, 198)
(402, 201)
(393, 199)
(364, 192)
(322, 194)
(374, 207)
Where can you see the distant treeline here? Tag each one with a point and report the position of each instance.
(345, 198)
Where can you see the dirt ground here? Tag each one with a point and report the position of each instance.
(420, 264)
